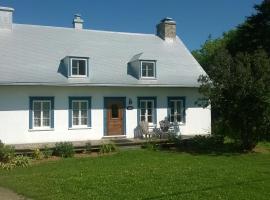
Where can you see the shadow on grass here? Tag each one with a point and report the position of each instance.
(203, 145)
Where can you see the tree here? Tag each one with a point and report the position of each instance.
(238, 81)
(239, 91)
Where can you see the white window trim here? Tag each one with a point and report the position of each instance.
(154, 70)
(146, 111)
(80, 114)
(175, 108)
(41, 127)
(86, 68)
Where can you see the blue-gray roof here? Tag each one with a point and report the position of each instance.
(31, 54)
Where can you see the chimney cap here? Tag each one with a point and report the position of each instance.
(6, 9)
(77, 18)
(168, 20)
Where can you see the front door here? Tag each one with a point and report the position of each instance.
(114, 116)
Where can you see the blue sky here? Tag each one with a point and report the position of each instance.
(196, 19)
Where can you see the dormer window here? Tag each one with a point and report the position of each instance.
(148, 69)
(78, 67)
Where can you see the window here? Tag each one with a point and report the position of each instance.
(176, 109)
(114, 111)
(148, 69)
(78, 67)
(41, 112)
(79, 112)
(147, 109)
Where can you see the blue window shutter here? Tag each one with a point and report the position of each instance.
(52, 112)
(70, 112)
(30, 113)
(89, 112)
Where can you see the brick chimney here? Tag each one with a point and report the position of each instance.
(166, 29)
(77, 22)
(6, 15)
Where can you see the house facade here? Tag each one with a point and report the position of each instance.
(75, 84)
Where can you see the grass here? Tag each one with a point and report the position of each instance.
(144, 174)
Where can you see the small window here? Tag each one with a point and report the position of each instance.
(115, 111)
(148, 69)
(176, 110)
(78, 67)
(41, 112)
(79, 112)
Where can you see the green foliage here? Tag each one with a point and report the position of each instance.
(149, 145)
(238, 65)
(107, 148)
(88, 147)
(7, 153)
(37, 154)
(47, 152)
(64, 149)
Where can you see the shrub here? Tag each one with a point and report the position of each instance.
(150, 146)
(64, 149)
(88, 147)
(7, 152)
(47, 152)
(17, 161)
(37, 154)
(107, 148)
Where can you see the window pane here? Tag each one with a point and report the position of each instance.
(84, 121)
(46, 106)
(149, 111)
(150, 71)
(46, 114)
(82, 70)
(46, 122)
(142, 118)
(143, 111)
(37, 105)
(150, 119)
(37, 114)
(149, 104)
(75, 113)
(75, 121)
(172, 111)
(179, 118)
(172, 118)
(75, 71)
(83, 105)
(114, 111)
(75, 105)
(144, 73)
(75, 63)
(143, 104)
(37, 122)
(84, 113)
(178, 106)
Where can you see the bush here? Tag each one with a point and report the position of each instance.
(201, 143)
(17, 161)
(47, 152)
(7, 153)
(107, 148)
(64, 149)
(150, 146)
(37, 154)
(88, 147)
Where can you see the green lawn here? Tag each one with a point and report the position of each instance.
(144, 174)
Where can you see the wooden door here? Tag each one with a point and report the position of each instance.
(115, 115)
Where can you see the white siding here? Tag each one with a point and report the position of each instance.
(14, 112)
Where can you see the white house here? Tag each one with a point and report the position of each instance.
(74, 84)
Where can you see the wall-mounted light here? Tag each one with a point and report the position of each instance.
(129, 101)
